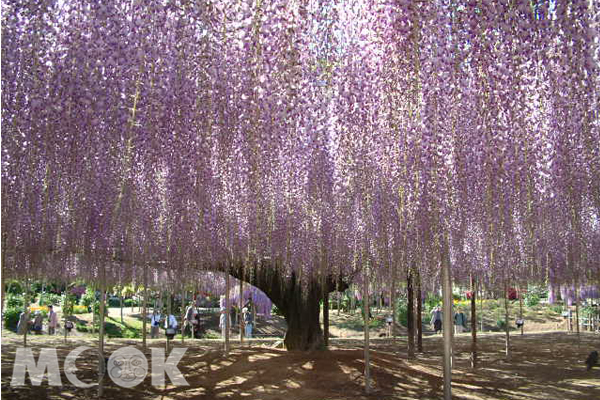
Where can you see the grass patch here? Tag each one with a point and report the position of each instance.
(357, 324)
(127, 329)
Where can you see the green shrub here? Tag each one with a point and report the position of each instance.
(276, 311)
(540, 291)
(14, 287)
(432, 301)
(48, 299)
(402, 311)
(211, 335)
(556, 308)
(81, 326)
(532, 299)
(588, 311)
(11, 317)
(344, 302)
(130, 303)
(112, 330)
(501, 323)
(114, 302)
(15, 301)
(67, 302)
(88, 298)
(376, 323)
(77, 309)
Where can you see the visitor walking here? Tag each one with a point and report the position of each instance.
(436, 319)
(196, 322)
(223, 317)
(38, 323)
(389, 321)
(52, 321)
(189, 320)
(154, 324)
(460, 322)
(248, 322)
(170, 326)
(23, 324)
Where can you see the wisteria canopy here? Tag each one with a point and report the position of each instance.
(314, 137)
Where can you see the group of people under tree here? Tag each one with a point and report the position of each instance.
(247, 317)
(191, 324)
(36, 324)
(460, 320)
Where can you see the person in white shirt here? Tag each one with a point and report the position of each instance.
(170, 326)
(171, 322)
(52, 321)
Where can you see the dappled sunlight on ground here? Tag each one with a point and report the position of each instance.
(543, 366)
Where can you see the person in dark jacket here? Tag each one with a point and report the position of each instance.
(436, 319)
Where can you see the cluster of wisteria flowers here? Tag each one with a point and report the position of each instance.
(323, 136)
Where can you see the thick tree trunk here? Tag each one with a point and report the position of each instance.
(410, 321)
(298, 301)
(301, 312)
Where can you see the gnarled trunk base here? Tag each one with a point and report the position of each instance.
(298, 301)
(301, 313)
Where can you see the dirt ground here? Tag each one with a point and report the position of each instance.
(547, 365)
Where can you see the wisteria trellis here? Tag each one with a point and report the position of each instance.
(183, 135)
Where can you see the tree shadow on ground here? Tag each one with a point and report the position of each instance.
(541, 367)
